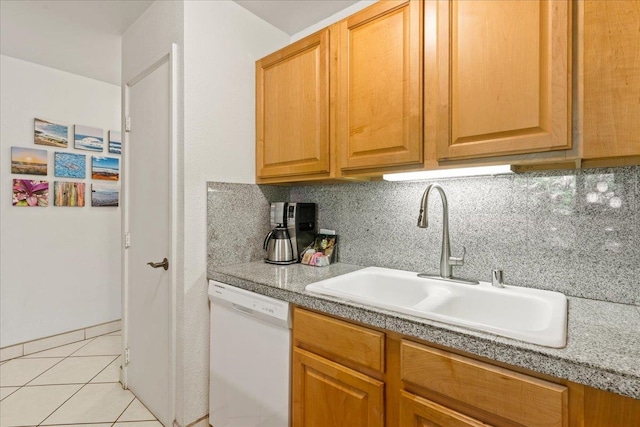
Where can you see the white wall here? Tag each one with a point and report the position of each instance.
(60, 266)
(222, 43)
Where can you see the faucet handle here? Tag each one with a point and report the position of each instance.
(497, 278)
(458, 261)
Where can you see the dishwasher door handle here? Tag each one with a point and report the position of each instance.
(242, 309)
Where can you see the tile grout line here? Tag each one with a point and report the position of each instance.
(16, 389)
(80, 348)
(83, 384)
(69, 398)
(46, 370)
(76, 392)
(26, 356)
(54, 365)
(103, 369)
(125, 409)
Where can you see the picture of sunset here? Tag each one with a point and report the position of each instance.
(28, 161)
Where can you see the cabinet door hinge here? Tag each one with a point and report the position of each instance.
(127, 124)
(127, 240)
(127, 356)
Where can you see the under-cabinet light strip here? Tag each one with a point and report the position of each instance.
(448, 173)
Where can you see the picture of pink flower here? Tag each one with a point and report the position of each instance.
(30, 193)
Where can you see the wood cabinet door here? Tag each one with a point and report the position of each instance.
(379, 98)
(611, 79)
(292, 109)
(416, 411)
(327, 394)
(504, 77)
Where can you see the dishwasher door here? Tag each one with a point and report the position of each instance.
(250, 351)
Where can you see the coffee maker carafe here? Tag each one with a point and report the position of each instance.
(278, 247)
(295, 222)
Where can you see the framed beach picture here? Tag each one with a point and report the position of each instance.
(107, 168)
(67, 165)
(68, 193)
(29, 161)
(48, 132)
(88, 138)
(115, 142)
(104, 195)
(30, 193)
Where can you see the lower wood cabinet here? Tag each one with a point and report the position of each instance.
(326, 394)
(416, 411)
(348, 375)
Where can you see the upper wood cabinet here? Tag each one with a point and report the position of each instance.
(292, 111)
(611, 125)
(504, 77)
(379, 99)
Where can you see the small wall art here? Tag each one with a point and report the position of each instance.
(30, 193)
(107, 168)
(88, 138)
(28, 161)
(67, 165)
(115, 142)
(104, 195)
(47, 132)
(68, 193)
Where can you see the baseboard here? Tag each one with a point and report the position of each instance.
(200, 422)
(46, 343)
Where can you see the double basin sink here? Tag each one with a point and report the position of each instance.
(530, 315)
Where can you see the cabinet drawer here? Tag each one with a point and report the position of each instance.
(418, 412)
(344, 340)
(519, 398)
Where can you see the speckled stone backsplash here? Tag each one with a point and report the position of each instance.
(238, 221)
(577, 232)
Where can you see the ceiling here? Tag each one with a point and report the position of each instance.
(81, 37)
(292, 16)
(84, 36)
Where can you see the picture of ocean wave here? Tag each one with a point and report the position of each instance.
(51, 133)
(88, 138)
(104, 195)
(115, 142)
(67, 165)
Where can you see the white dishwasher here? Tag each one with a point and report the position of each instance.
(249, 358)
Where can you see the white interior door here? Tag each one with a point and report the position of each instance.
(148, 206)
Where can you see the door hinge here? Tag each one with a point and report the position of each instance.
(127, 124)
(127, 240)
(127, 356)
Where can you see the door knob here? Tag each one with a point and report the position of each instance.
(164, 264)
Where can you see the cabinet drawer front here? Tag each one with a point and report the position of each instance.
(514, 396)
(416, 411)
(341, 339)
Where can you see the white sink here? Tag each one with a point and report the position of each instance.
(531, 315)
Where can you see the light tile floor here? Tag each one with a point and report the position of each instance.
(73, 385)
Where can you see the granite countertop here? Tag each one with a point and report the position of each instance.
(603, 344)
